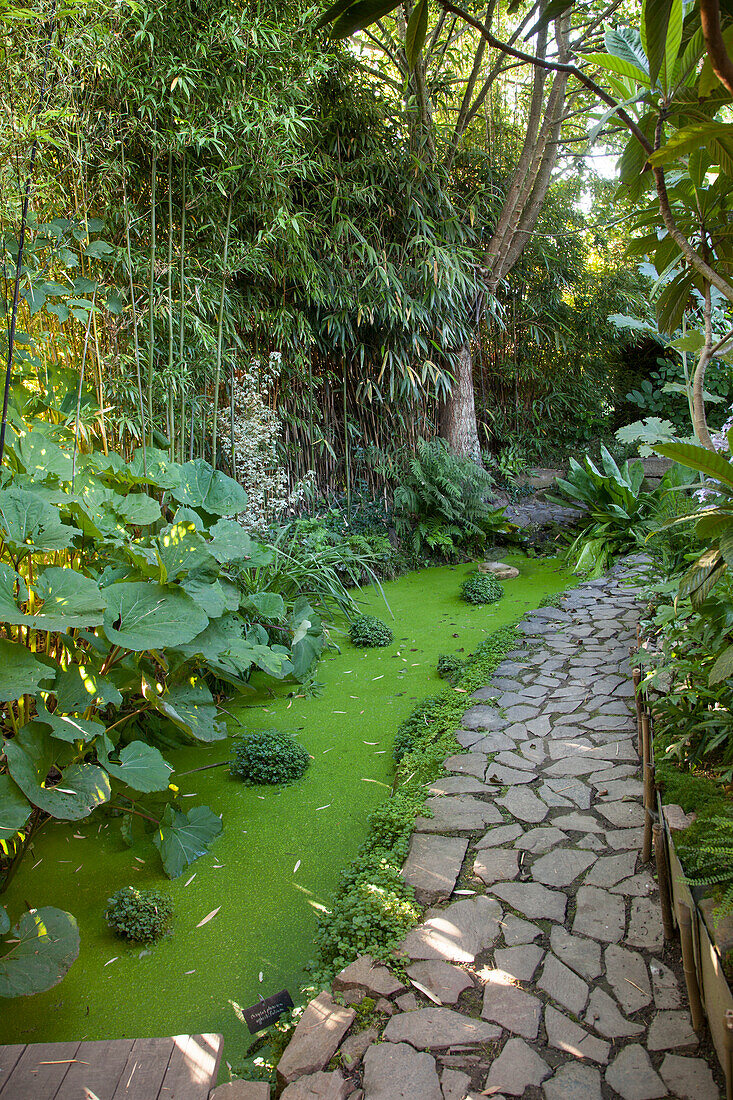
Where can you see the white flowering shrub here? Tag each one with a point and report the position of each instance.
(257, 432)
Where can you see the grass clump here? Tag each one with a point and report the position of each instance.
(142, 916)
(368, 631)
(449, 667)
(268, 757)
(481, 588)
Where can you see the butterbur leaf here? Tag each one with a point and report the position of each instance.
(230, 542)
(141, 766)
(15, 809)
(41, 458)
(138, 509)
(67, 727)
(20, 672)
(200, 486)
(67, 599)
(191, 707)
(183, 837)
(143, 615)
(29, 523)
(47, 943)
(269, 605)
(31, 754)
(4, 921)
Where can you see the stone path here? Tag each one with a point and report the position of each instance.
(540, 971)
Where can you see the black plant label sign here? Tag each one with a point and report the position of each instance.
(267, 1011)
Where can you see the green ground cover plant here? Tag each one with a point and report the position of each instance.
(142, 916)
(268, 757)
(481, 588)
(367, 631)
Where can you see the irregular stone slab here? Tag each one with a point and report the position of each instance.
(395, 1071)
(438, 1029)
(565, 987)
(456, 1085)
(515, 761)
(612, 773)
(373, 978)
(689, 1078)
(467, 763)
(568, 1037)
(565, 747)
(516, 1068)
(531, 752)
(524, 805)
(612, 869)
(509, 777)
(600, 915)
(633, 1077)
(315, 1039)
(492, 742)
(671, 1031)
(603, 1015)
(482, 717)
(622, 839)
(496, 865)
(538, 727)
(459, 784)
(242, 1090)
(318, 1086)
(676, 817)
(580, 954)
(566, 792)
(457, 814)
(664, 986)
(627, 975)
(645, 925)
(620, 788)
(517, 930)
(407, 1002)
(578, 823)
(561, 867)
(433, 864)
(638, 886)
(541, 840)
(457, 933)
(509, 1006)
(444, 981)
(520, 962)
(354, 1048)
(532, 899)
(624, 815)
(522, 713)
(500, 834)
(591, 841)
(468, 738)
(574, 1082)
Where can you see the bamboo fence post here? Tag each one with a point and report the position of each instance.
(665, 897)
(729, 1054)
(648, 766)
(688, 964)
(638, 701)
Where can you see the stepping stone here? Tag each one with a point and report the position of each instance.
(581, 955)
(496, 865)
(627, 975)
(633, 1077)
(567, 747)
(459, 784)
(514, 760)
(371, 977)
(604, 1017)
(500, 834)
(571, 766)
(624, 815)
(565, 987)
(600, 915)
(318, 1086)
(355, 1047)
(578, 823)
(531, 751)
(573, 1082)
(622, 839)
(433, 865)
(493, 742)
(524, 805)
(671, 1031)
(601, 779)
(457, 813)
(533, 900)
(561, 867)
(516, 1068)
(591, 841)
(509, 777)
(455, 1085)
(567, 791)
(509, 1006)
(538, 727)
(395, 1071)
(638, 886)
(519, 962)
(438, 1029)
(468, 738)
(645, 925)
(482, 718)
(664, 986)
(689, 1078)
(316, 1038)
(568, 1037)
(541, 840)
(444, 981)
(516, 930)
(621, 788)
(456, 934)
(467, 763)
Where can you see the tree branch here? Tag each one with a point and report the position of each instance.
(714, 44)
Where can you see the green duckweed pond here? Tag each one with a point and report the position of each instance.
(278, 860)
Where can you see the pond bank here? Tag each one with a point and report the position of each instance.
(278, 860)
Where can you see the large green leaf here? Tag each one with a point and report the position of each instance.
(715, 137)
(31, 754)
(28, 523)
(41, 458)
(620, 65)
(269, 605)
(707, 462)
(68, 599)
(625, 43)
(183, 837)
(182, 549)
(417, 29)
(67, 727)
(14, 808)
(143, 615)
(141, 766)
(79, 686)
(230, 542)
(191, 707)
(723, 667)
(20, 672)
(360, 15)
(46, 944)
(138, 509)
(200, 486)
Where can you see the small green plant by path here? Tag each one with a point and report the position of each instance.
(481, 588)
(268, 757)
(368, 630)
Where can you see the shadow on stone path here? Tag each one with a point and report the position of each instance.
(540, 969)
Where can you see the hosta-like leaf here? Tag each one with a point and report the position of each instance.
(183, 837)
(67, 727)
(230, 543)
(82, 787)
(182, 549)
(138, 509)
(67, 599)
(41, 458)
(141, 766)
(46, 944)
(269, 605)
(28, 523)
(15, 809)
(20, 672)
(191, 707)
(143, 615)
(200, 486)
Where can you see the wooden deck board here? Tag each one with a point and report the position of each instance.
(183, 1067)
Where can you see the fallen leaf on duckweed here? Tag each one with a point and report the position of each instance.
(262, 976)
(208, 917)
(297, 865)
(324, 807)
(193, 876)
(114, 960)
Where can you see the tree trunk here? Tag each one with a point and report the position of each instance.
(458, 411)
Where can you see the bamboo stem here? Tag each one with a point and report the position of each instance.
(665, 896)
(182, 321)
(688, 964)
(134, 313)
(638, 702)
(170, 304)
(729, 1053)
(151, 297)
(648, 766)
(219, 331)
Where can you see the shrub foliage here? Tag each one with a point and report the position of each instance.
(481, 588)
(142, 916)
(268, 757)
(367, 631)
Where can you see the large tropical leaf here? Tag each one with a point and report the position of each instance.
(20, 672)
(715, 137)
(67, 727)
(183, 837)
(723, 667)
(417, 29)
(191, 707)
(28, 523)
(200, 486)
(625, 43)
(44, 944)
(41, 458)
(360, 14)
(79, 686)
(15, 808)
(138, 509)
(141, 766)
(230, 543)
(142, 615)
(31, 754)
(707, 462)
(182, 549)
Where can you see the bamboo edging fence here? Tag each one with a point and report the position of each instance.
(708, 991)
